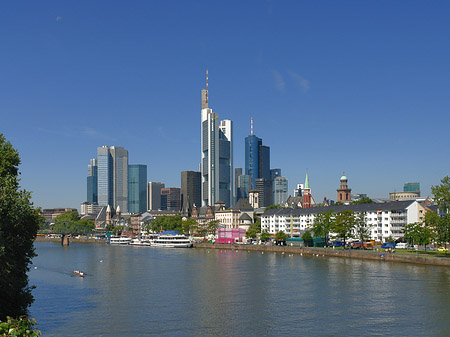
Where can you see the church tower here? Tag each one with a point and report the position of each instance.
(306, 193)
(343, 192)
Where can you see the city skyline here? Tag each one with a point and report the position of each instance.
(348, 86)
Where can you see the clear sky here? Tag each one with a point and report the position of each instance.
(355, 86)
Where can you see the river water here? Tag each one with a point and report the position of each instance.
(142, 291)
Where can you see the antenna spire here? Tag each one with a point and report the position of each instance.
(251, 129)
(206, 86)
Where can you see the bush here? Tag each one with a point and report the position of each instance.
(19, 327)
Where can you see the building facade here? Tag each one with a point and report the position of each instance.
(171, 199)
(264, 188)
(92, 182)
(137, 188)
(383, 219)
(257, 158)
(154, 195)
(113, 176)
(280, 190)
(216, 155)
(190, 190)
(412, 187)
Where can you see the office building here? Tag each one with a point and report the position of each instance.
(264, 188)
(280, 190)
(154, 195)
(170, 199)
(412, 187)
(244, 183)
(92, 181)
(216, 155)
(237, 173)
(275, 173)
(190, 190)
(112, 172)
(257, 158)
(137, 188)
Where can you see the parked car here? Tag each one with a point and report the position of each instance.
(402, 245)
(442, 249)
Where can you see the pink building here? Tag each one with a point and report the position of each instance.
(230, 235)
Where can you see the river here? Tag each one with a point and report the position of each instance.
(142, 291)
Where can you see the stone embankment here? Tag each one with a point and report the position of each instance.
(81, 240)
(350, 253)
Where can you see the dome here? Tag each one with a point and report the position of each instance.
(344, 178)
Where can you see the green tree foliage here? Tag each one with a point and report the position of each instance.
(275, 207)
(307, 238)
(281, 236)
(167, 223)
(362, 231)
(322, 224)
(441, 194)
(21, 326)
(19, 223)
(363, 200)
(416, 233)
(71, 216)
(265, 235)
(344, 223)
(188, 226)
(254, 229)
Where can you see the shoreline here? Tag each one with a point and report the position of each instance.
(350, 253)
(309, 251)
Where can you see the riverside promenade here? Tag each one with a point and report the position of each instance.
(348, 253)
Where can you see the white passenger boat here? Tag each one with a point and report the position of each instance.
(121, 240)
(140, 242)
(172, 241)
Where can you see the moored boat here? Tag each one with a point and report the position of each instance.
(121, 240)
(140, 242)
(172, 241)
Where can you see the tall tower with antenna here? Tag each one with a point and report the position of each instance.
(216, 164)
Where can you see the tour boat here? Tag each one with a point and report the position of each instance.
(140, 242)
(172, 241)
(122, 240)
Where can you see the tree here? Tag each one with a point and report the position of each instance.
(322, 225)
(19, 223)
(281, 236)
(344, 223)
(307, 238)
(254, 229)
(441, 194)
(362, 232)
(416, 233)
(71, 216)
(188, 225)
(363, 200)
(265, 235)
(212, 227)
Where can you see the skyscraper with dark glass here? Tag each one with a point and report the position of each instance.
(137, 188)
(92, 192)
(257, 158)
(190, 190)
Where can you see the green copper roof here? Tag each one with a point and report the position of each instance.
(306, 181)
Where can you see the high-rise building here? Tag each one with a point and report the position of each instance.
(237, 173)
(92, 178)
(264, 188)
(412, 187)
(257, 158)
(244, 182)
(275, 173)
(113, 177)
(190, 190)
(280, 191)
(137, 188)
(216, 155)
(154, 196)
(171, 199)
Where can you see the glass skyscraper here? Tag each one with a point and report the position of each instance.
(92, 182)
(113, 177)
(257, 159)
(137, 188)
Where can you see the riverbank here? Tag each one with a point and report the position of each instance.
(80, 240)
(350, 253)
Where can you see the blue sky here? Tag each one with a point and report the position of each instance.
(355, 86)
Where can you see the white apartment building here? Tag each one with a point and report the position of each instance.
(383, 219)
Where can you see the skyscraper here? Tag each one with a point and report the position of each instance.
(92, 178)
(264, 188)
(280, 190)
(154, 196)
(190, 190)
(216, 155)
(411, 187)
(113, 177)
(137, 188)
(257, 158)
(171, 199)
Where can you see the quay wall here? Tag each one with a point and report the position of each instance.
(348, 253)
(81, 240)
